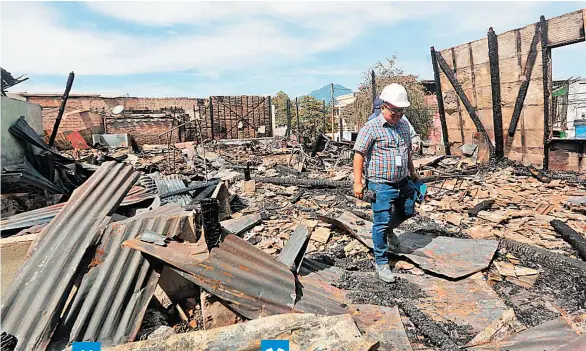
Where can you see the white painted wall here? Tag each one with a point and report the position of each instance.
(576, 105)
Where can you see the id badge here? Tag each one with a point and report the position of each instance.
(398, 161)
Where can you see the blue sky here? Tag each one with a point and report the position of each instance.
(199, 49)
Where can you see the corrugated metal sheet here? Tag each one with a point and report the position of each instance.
(46, 214)
(254, 282)
(31, 308)
(169, 183)
(114, 294)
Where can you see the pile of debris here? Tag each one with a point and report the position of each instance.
(224, 244)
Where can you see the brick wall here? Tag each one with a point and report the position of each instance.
(143, 130)
(87, 111)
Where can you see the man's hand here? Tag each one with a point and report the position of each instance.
(358, 190)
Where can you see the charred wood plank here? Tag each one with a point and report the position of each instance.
(310, 183)
(440, 101)
(293, 252)
(546, 58)
(495, 83)
(460, 92)
(572, 237)
(297, 196)
(64, 99)
(544, 257)
(525, 84)
(538, 174)
(484, 205)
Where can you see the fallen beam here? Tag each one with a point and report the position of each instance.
(304, 332)
(545, 257)
(310, 183)
(293, 252)
(571, 236)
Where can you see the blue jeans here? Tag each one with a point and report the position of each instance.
(394, 204)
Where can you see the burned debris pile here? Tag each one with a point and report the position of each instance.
(221, 244)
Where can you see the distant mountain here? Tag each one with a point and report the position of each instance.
(325, 92)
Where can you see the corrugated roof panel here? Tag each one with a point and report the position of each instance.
(253, 282)
(40, 289)
(114, 294)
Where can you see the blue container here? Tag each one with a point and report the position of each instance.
(581, 132)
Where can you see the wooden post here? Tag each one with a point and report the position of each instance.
(297, 112)
(288, 110)
(212, 117)
(440, 102)
(460, 92)
(332, 105)
(325, 130)
(546, 56)
(495, 82)
(61, 108)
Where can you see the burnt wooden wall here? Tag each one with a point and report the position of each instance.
(506, 106)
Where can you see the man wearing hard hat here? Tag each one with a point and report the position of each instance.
(415, 138)
(383, 146)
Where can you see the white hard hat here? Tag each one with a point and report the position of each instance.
(396, 95)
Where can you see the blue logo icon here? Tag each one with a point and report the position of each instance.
(86, 346)
(274, 345)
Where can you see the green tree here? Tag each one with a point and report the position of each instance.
(280, 102)
(419, 114)
(311, 116)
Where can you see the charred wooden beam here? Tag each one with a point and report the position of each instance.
(196, 186)
(538, 174)
(440, 101)
(288, 110)
(373, 88)
(544, 257)
(310, 183)
(484, 205)
(495, 83)
(61, 108)
(460, 92)
(297, 196)
(525, 84)
(572, 237)
(546, 57)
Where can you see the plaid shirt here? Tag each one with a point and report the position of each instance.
(381, 143)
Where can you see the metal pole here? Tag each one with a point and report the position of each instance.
(373, 84)
(440, 101)
(61, 108)
(297, 111)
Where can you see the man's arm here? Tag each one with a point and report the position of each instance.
(358, 167)
(412, 171)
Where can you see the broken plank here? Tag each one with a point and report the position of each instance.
(321, 235)
(294, 250)
(575, 239)
(240, 225)
(304, 332)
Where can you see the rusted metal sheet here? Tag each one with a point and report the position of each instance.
(447, 256)
(354, 225)
(113, 296)
(305, 331)
(251, 280)
(468, 301)
(31, 308)
(383, 324)
(321, 271)
(548, 336)
(46, 214)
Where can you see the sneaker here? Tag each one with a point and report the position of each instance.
(384, 273)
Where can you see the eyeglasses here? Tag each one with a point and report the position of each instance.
(394, 110)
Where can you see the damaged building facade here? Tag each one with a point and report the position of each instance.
(496, 92)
